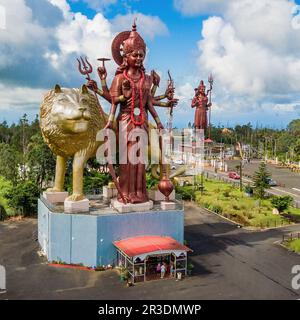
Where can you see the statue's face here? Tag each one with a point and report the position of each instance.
(135, 58)
(202, 90)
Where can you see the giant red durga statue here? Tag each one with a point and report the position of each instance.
(134, 91)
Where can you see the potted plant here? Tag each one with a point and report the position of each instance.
(190, 268)
(124, 274)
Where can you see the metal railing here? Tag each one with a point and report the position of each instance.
(290, 237)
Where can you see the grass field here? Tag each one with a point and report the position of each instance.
(293, 245)
(230, 202)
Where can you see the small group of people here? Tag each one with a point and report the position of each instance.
(164, 269)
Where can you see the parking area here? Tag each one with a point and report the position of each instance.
(230, 263)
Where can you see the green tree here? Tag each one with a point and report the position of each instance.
(40, 161)
(260, 179)
(294, 127)
(9, 162)
(6, 189)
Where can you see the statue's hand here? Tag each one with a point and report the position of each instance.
(160, 126)
(170, 93)
(126, 89)
(172, 103)
(102, 73)
(92, 85)
(155, 78)
(109, 125)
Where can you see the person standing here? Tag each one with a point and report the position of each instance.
(163, 271)
(172, 269)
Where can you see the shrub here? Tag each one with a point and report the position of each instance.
(187, 193)
(150, 181)
(206, 205)
(94, 180)
(235, 207)
(24, 197)
(248, 190)
(248, 214)
(215, 208)
(240, 219)
(226, 193)
(281, 203)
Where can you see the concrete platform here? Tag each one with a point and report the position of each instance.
(55, 197)
(88, 238)
(168, 205)
(76, 206)
(156, 195)
(131, 207)
(109, 193)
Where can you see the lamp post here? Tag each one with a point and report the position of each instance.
(240, 168)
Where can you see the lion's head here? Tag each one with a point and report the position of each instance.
(70, 120)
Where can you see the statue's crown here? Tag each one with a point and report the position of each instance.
(134, 41)
(201, 85)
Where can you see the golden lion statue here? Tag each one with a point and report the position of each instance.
(69, 121)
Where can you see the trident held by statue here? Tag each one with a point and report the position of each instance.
(211, 82)
(86, 68)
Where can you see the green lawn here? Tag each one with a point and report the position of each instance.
(294, 245)
(230, 202)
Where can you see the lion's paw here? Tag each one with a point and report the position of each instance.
(76, 197)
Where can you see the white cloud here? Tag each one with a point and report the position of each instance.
(196, 7)
(147, 25)
(21, 32)
(98, 5)
(20, 97)
(252, 51)
(290, 107)
(42, 40)
(63, 6)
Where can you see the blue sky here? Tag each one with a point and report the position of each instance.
(251, 47)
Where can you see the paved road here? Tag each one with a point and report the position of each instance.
(230, 263)
(290, 180)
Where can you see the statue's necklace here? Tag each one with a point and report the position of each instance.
(140, 111)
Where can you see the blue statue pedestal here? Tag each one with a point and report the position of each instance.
(88, 238)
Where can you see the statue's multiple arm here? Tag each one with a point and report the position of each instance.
(194, 102)
(152, 101)
(169, 93)
(154, 113)
(155, 81)
(104, 91)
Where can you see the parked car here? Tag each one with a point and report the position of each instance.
(271, 182)
(233, 175)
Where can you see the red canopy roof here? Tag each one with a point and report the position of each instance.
(145, 244)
